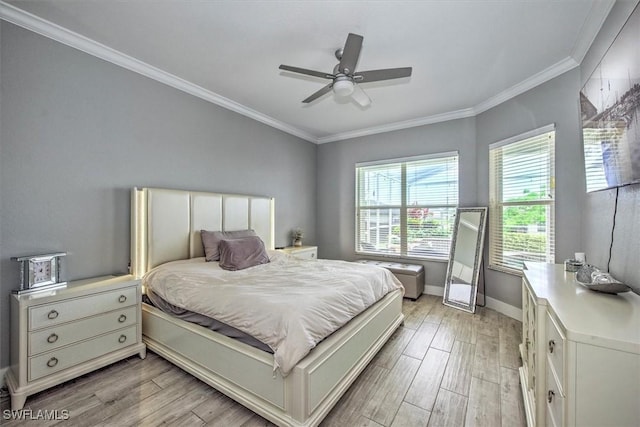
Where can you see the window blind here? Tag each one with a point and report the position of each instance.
(521, 201)
(406, 207)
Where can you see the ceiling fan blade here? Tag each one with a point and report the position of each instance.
(307, 72)
(386, 74)
(319, 93)
(350, 54)
(360, 96)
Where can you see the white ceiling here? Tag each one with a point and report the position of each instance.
(467, 56)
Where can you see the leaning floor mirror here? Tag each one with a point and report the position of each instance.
(461, 284)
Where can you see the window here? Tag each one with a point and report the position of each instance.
(406, 207)
(521, 200)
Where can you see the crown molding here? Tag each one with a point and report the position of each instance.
(537, 79)
(405, 124)
(62, 35)
(591, 27)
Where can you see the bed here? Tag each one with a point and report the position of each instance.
(166, 228)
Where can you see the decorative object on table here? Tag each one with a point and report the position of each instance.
(39, 272)
(297, 234)
(592, 278)
(572, 265)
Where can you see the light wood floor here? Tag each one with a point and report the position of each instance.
(443, 367)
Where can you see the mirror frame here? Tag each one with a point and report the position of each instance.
(471, 306)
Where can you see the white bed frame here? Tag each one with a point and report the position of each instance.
(166, 226)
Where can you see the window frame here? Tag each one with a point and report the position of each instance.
(496, 204)
(402, 207)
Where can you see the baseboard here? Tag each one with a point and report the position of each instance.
(492, 303)
(504, 308)
(434, 290)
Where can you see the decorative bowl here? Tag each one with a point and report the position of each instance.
(592, 278)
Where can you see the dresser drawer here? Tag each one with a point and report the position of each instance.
(69, 333)
(66, 357)
(44, 316)
(531, 341)
(555, 347)
(555, 399)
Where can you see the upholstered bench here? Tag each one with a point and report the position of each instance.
(411, 275)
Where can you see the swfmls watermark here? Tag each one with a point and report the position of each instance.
(39, 414)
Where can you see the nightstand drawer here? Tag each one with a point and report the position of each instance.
(47, 315)
(310, 253)
(302, 252)
(67, 357)
(59, 336)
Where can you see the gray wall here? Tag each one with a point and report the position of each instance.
(583, 221)
(555, 101)
(78, 132)
(336, 180)
(599, 207)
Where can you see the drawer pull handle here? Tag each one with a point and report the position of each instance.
(52, 338)
(550, 395)
(122, 338)
(552, 344)
(122, 318)
(52, 314)
(52, 362)
(122, 298)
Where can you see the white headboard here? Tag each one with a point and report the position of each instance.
(166, 224)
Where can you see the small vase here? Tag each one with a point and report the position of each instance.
(297, 243)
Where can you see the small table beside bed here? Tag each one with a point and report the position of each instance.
(283, 336)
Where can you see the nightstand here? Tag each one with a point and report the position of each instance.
(304, 252)
(61, 334)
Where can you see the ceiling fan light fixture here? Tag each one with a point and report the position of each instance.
(344, 77)
(343, 87)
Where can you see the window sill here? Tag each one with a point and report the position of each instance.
(401, 257)
(510, 271)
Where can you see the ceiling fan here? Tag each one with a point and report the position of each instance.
(345, 78)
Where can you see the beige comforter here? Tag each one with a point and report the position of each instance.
(289, 304)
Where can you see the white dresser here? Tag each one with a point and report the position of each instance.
(64, 333)
(304, 252)
(580, 352)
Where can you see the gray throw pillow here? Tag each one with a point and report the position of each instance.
(211, 241)
(245, 252)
